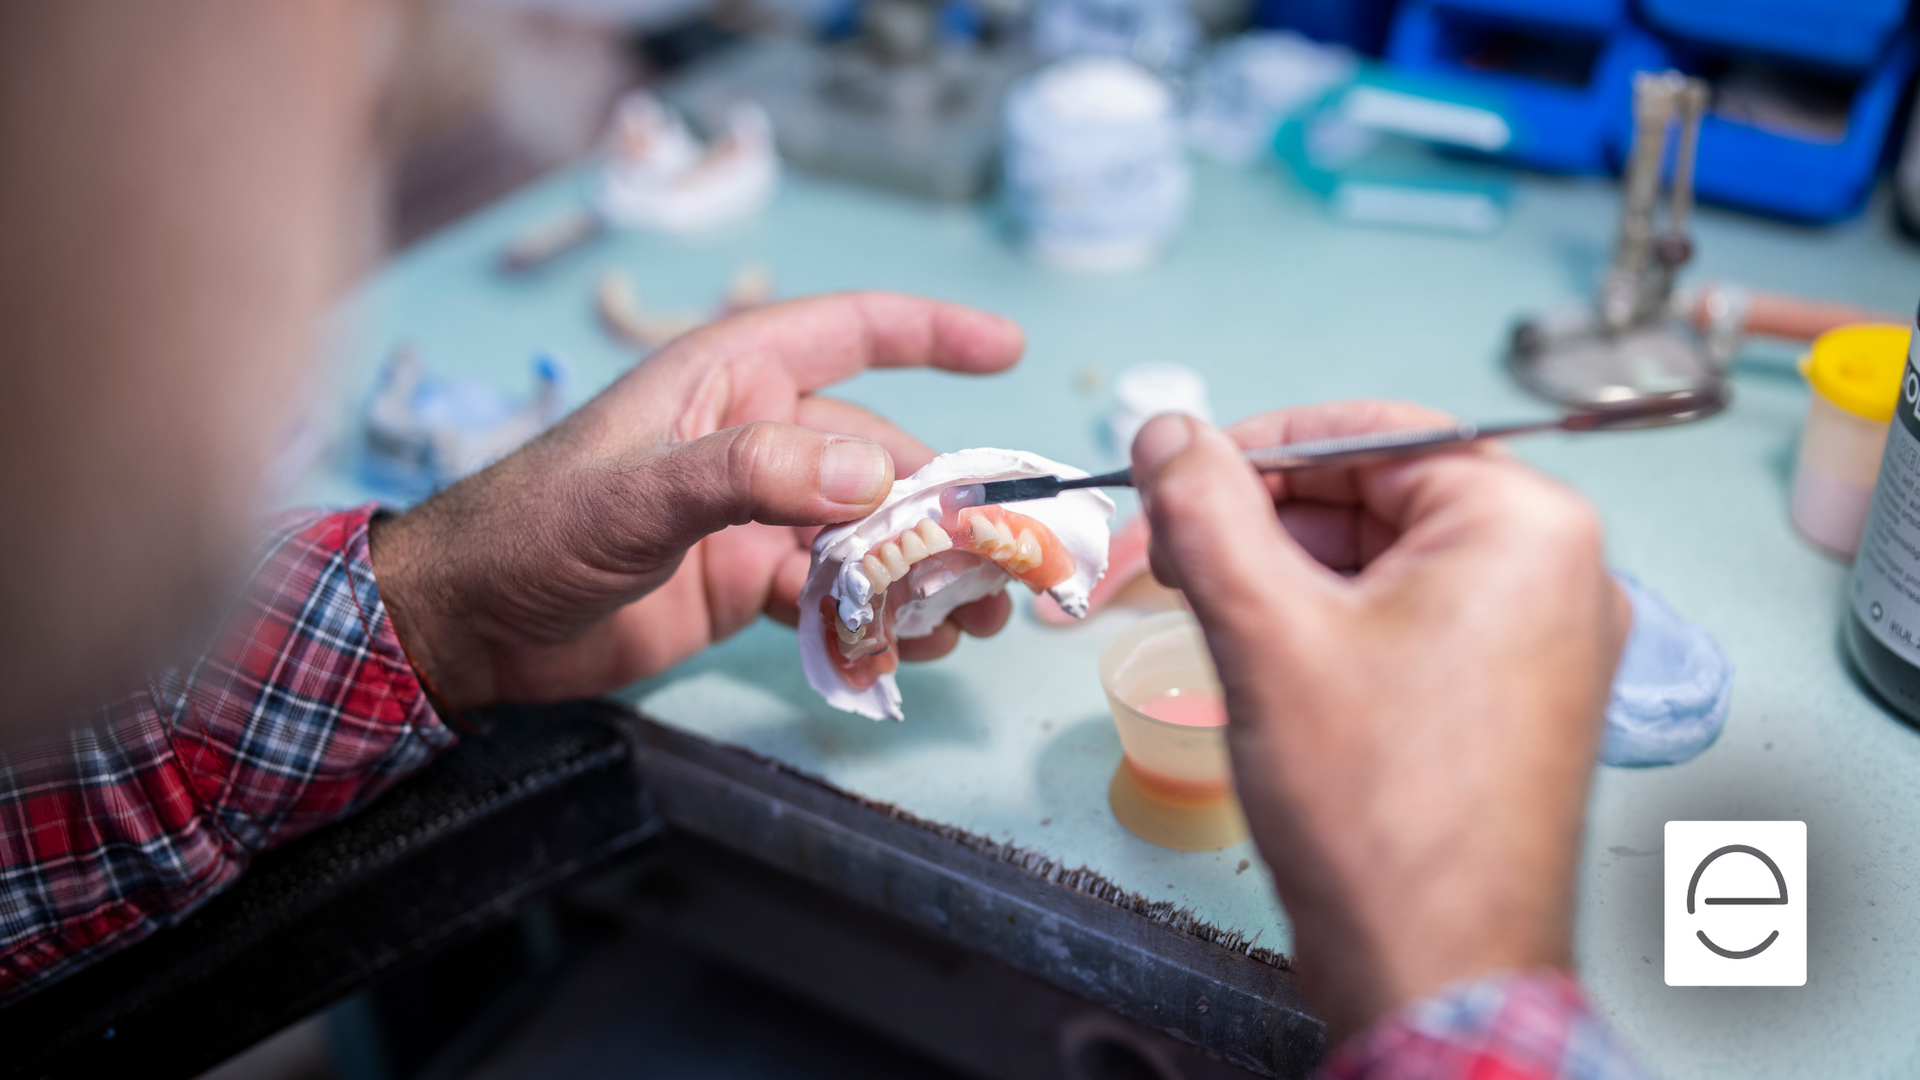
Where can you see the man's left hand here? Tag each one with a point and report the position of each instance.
(674, 508)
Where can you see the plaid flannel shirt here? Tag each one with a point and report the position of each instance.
(305, 711)
(1527, 1025)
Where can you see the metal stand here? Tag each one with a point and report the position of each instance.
(1633, 340)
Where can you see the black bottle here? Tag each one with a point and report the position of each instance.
(1882, 632)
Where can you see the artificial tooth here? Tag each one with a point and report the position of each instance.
(1004, 546)
(984, 534)
(935, 537)
(1027, 554)
(848, 636)
(876, 572)
(891, 558)
(912, 548)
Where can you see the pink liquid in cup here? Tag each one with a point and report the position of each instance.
(1187, 710)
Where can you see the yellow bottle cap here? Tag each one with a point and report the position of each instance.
(1858, 368)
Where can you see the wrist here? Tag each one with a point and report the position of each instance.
(1367, 952)
(431, 637)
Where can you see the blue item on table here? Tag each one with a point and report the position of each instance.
(1358, 24)
(1672, 689)
(1595, 16)
(1563, 85)
(1760, 150)
(1846, 34)
(1369, 151)
(423, 431)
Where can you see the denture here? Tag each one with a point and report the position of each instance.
(898, 573)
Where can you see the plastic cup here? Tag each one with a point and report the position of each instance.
(1174, 783)
(1855, 375)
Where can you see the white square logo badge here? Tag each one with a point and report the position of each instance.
(1736, 903)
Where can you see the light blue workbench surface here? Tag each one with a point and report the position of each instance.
(1278, 305)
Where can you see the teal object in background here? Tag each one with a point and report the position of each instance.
(1375, 150)
(1276, 304)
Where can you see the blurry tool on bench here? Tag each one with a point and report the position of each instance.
(1160, 34)
(1855, 375)
(1561, 71)
(1249, 85)
(1804, 97)
(1096, 170)
(424, 431)
(1631, 342)
(1722, 310)
(906, 95)
(617, 302)
(1174, 783)
(1373, 151)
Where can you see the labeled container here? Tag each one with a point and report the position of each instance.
(1174, 783)
(1855, 375)
(1882, 629)
(1094, 162)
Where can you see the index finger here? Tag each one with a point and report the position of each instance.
(821, 340)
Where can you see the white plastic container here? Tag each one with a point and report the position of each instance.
(1855, 375)
(1096, 175)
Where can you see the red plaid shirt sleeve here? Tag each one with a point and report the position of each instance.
(304, 711)
(1530, 1025)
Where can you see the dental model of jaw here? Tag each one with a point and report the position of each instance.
(899, 572)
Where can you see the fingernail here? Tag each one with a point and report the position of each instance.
(854, 471)
(1162, 437)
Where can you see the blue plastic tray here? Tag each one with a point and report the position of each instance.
(1596, 16)
(1559, 124)
(1847, 34)
(1805, 179)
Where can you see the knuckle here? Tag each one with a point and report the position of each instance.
(1185, 496)
(1563, 520)
(751, 449)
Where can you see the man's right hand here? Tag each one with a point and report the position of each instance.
(1415, 656)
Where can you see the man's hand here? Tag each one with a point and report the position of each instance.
(1415, 657)
(675, 507)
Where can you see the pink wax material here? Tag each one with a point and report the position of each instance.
(1187, 710)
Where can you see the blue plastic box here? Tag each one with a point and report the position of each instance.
(1593, 16)
(1568, 82)
(1797, 176)
(1850, 35)
(1360, 24)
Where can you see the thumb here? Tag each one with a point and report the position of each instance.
(774, 474)
(1215, 534)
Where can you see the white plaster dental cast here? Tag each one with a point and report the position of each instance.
(656, 175)
(899, 572)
